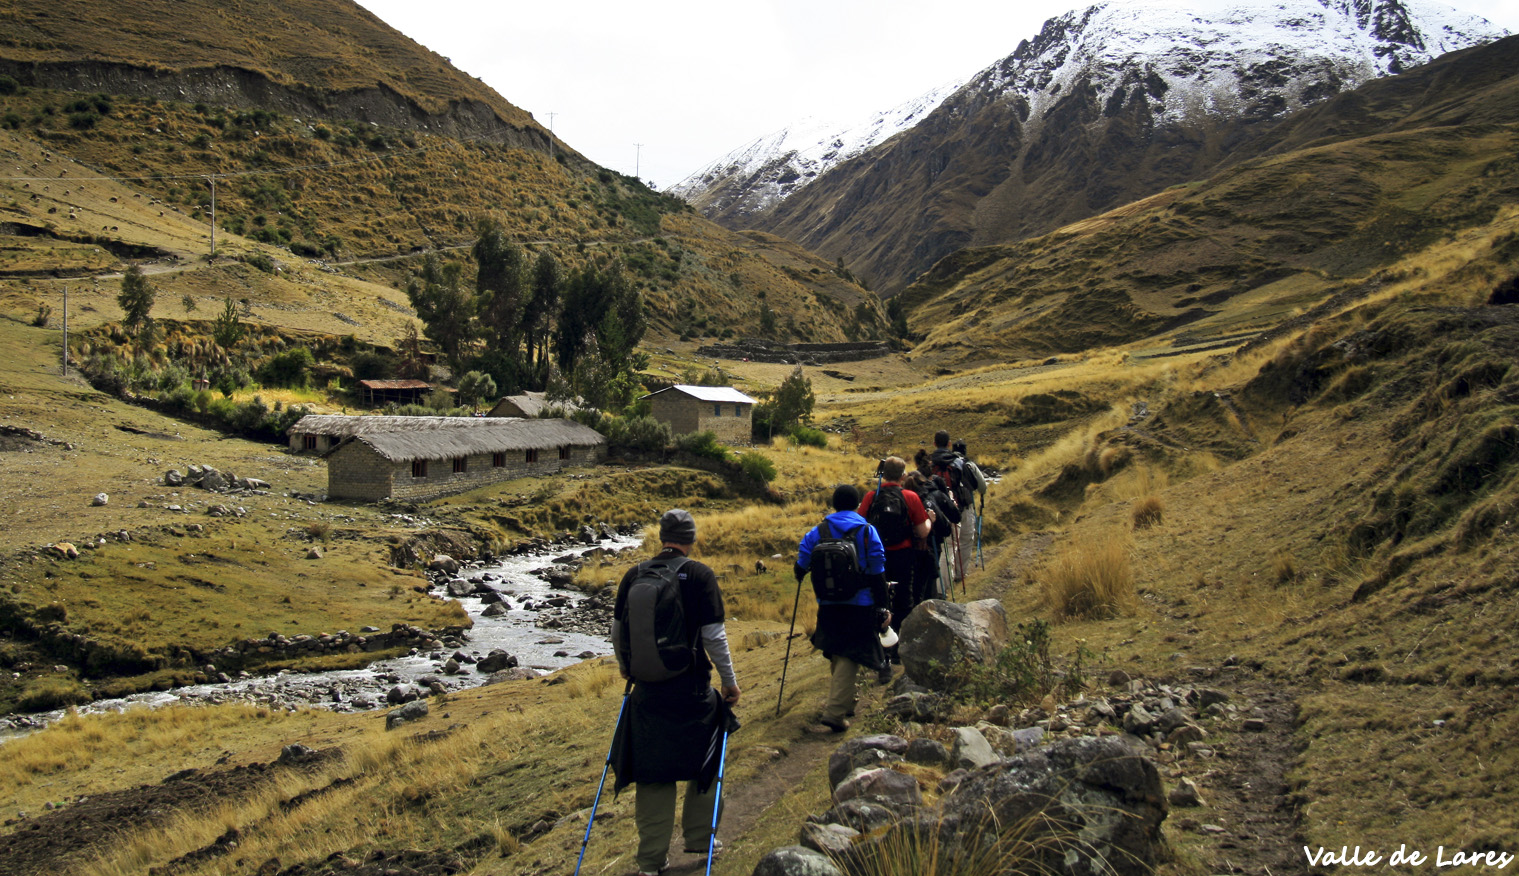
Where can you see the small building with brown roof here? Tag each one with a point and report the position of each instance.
(719, 409)
(435, 456)
(401, 392)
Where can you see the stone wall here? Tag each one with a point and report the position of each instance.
(796, 354)
(356, 471)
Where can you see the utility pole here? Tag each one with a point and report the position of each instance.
(551, 134)
(212, 178)
(637, 159)
(65, 331)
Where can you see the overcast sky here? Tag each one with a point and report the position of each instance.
(692, 80)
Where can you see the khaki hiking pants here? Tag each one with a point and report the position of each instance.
(841, 690)
(654, 812)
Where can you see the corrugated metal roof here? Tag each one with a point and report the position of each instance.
(479, 435)
(709, 393)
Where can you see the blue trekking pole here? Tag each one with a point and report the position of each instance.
(599, 785)
(717, 801)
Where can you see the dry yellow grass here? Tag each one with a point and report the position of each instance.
(1090, 579)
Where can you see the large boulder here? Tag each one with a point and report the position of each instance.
(1086, 806)
(940, 634)
(412, 711)
(863, 751)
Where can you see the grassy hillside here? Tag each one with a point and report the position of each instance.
(314, 45)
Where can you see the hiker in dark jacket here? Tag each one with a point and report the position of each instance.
(848, 632)
(673, 727)
(948, 465)
(925, 550)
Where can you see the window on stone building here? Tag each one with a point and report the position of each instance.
(498, 460)
(419, 468)
(310, 442)
(532, 456)
(461, 464)
(564, 452)
(717, 409)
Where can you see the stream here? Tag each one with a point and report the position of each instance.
(517, 632)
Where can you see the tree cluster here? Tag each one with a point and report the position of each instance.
(526, 318)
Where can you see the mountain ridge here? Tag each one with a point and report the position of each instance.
(1090, 114)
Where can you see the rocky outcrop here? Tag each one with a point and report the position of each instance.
(940, 635)
(213, 480)
(1082, 806)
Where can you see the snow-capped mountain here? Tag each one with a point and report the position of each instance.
(777, 164)
(1105, 104)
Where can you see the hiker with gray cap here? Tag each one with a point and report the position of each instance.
(668, 634)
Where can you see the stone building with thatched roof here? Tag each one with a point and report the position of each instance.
(719, 409)
(424, 457)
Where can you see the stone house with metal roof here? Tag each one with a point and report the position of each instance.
(427, 457)
(719, 409)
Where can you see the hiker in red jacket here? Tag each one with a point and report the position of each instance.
(898, 515)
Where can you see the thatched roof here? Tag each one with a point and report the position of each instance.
(529, 404)
(342, 426)
(476, 435)
(708, 393)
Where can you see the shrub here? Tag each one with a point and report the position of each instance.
(291, 368)
(1090, 581)
(809, 437)
(259, 260)
(8, 85)
(703, 444)
(757, 467)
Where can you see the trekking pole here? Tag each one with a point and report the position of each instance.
(599, 785)
(717, 801)
(785, 665)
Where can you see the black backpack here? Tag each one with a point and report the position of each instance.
(835, 565)
(952, 468)
(944, 506)
(888, 514)
(651, 639)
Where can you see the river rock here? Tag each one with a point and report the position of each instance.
(412, 711)
(443, 563)
(796, 861)
(100, 499)
(939, 634)
(459, 588)
(496, 609)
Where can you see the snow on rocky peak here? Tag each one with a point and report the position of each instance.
(1218, 57)
(779, 163)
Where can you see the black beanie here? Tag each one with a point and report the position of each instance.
(845, 498)
(677, 527)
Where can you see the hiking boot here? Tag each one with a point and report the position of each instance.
(662, 868)
(717, 849)
(837, 725)
(883, 675)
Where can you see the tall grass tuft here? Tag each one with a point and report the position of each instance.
(1090, 580)
(1149, 511)
(920, 848)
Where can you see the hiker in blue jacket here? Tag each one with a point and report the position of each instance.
(847, 629)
